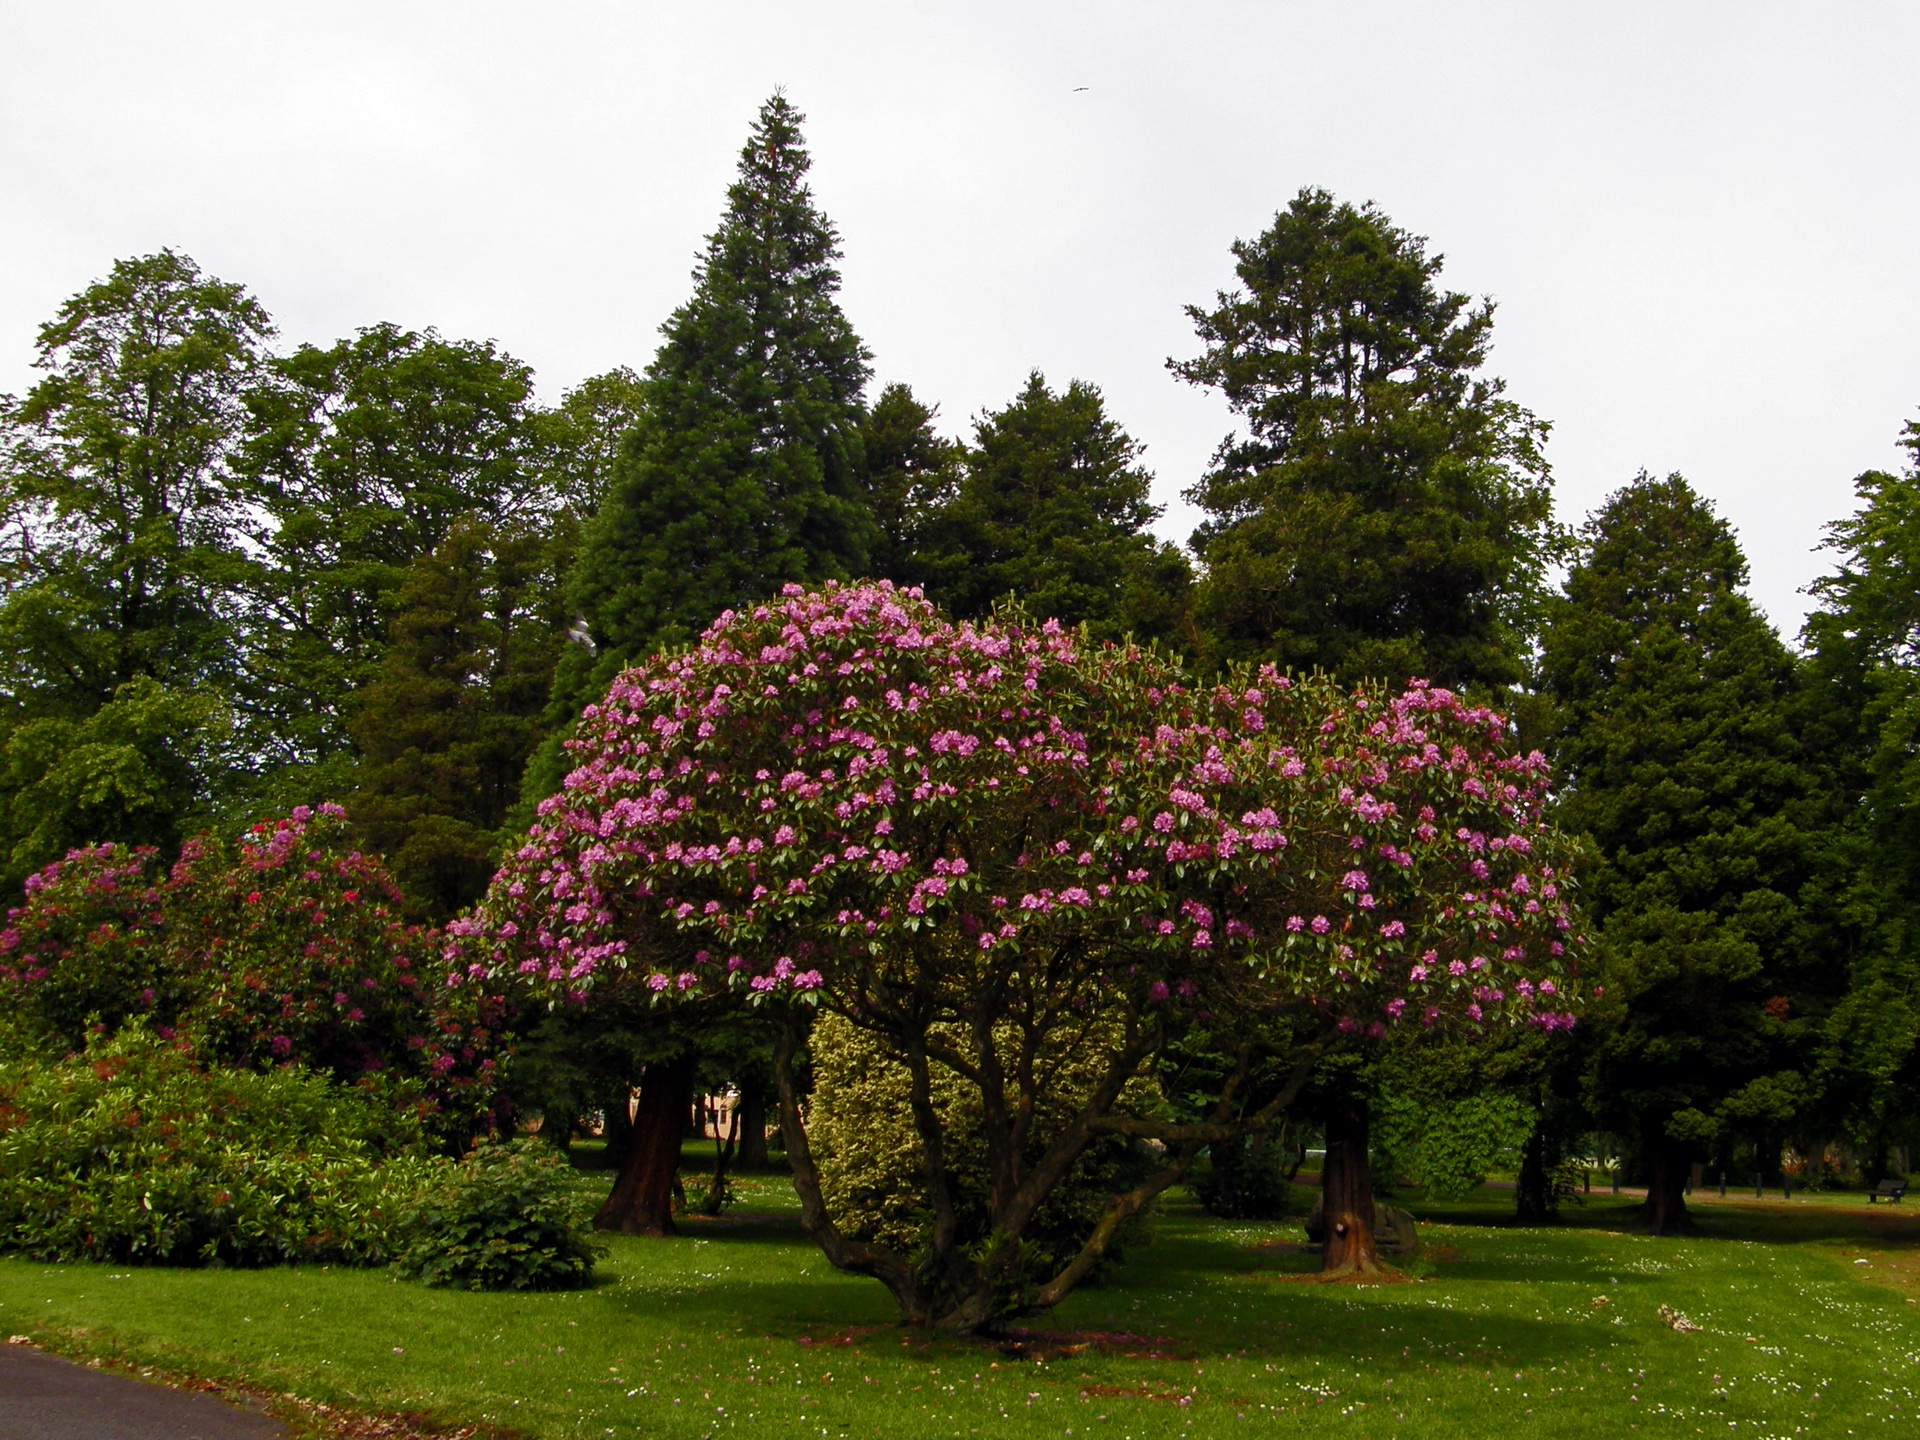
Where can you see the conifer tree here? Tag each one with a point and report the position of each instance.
(910, 474)
(445, 726)
(1864, 707)
(1053, 509)
(1673, 713)
(744, 471)
(1387, 511)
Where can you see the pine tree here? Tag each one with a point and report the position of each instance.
(446, 725)
(910, 474)
(744, 472)
(1673, 710)
(1053, 510)
(1864, 707)
(1388, 510)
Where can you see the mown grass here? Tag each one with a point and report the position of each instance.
(740, 1328)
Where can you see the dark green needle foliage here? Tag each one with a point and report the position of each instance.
(1053, 509)
(1864, 699)
(1387, 510)
(1674, 705)
(446, 725)
(122, 562)
(910, 474)
(744, 471)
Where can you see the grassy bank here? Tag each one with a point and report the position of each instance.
(740, 1328)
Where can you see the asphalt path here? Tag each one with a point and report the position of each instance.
(43, 1397)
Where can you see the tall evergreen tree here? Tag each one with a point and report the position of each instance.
(744, 472)
(1673, 711)
(1053, 509)
(122, 561)
(1864, 663)
(1387, 511)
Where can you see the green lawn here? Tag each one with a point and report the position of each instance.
(740, 1328)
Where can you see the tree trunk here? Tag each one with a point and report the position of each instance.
(642, 1198)
(1346, 1193)
(753, 1129)
(1668, 1165)
(1533, 1198)
(617, 1129)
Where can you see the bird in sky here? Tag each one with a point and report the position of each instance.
(1078, 88)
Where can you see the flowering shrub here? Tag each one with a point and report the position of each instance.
(286, 946)
(87, 943)
(840, 799)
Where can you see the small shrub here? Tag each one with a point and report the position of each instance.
(507, 1217)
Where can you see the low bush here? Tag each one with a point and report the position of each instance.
(508, 1217)
(1243, 1181)
(133, 1153)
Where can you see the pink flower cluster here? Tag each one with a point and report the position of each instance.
(841, 780)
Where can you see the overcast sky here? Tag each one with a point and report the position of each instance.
(1698, 219)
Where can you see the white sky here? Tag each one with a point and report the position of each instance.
(1699, 219)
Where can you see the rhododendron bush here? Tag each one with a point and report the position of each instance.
(285, 946)
(967, 840)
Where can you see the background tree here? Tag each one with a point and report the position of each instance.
(910, 474)
(363, 458)
(122, 561)
(1387, 511)
(1673, 712)
(446, 725)
(1052, 508)
(1863, 704)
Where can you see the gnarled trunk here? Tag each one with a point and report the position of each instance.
(1665, 1209)
(1346, 1193)
(642, 1198)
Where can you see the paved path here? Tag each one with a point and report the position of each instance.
(45, 1398)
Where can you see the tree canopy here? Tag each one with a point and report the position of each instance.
(1387, 511)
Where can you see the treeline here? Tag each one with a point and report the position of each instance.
(240, 578)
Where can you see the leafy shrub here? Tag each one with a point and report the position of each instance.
(131, 1153)
(871, 1159)
(507, 1217)
(1448, 1146)
(1244, 1182)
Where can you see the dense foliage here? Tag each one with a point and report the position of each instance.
(507, 1217)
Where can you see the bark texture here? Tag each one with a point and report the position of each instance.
(1668, 1165)
(642, 1198)
(1346, 1191)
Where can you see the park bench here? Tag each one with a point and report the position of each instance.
(1887, 1190)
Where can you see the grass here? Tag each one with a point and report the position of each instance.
(740, 1328)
